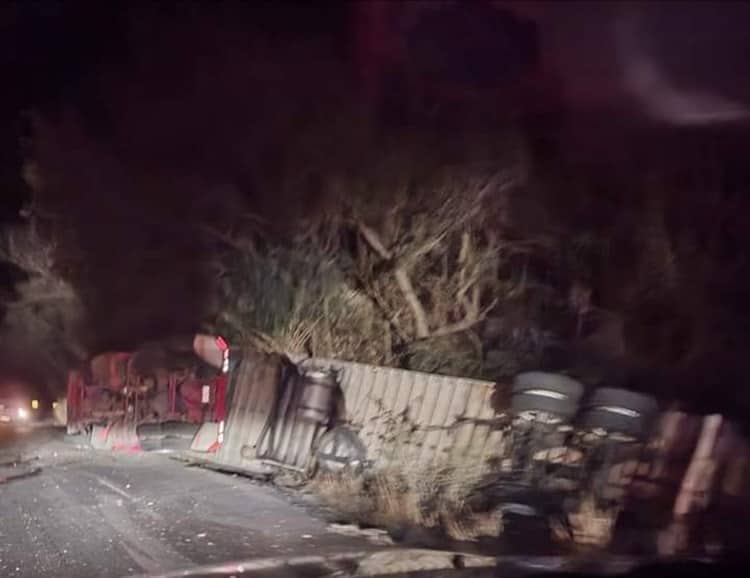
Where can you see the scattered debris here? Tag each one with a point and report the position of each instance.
(410, 560)
(375, 535)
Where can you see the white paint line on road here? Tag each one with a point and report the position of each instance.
(113, 487)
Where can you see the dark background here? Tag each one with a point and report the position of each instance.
(145, 117)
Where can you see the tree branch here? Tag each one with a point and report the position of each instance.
(423, 249)
(420, 317)
(376, 299)
(402, 280)
(228, 240)
(465, 324)
(373, 239)
(36, 300)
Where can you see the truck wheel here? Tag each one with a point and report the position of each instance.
(176, 443)
(545, 392)
(180, 429)
(340, 449)
(149, 431)
(620, 411)
(151, 444)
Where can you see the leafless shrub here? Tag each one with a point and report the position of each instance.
(292, 299)
(435, 499)
(43, 318)
(402, 270)
(430, 261)
(27, 249)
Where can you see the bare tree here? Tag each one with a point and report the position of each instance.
(289, 295)
(431, 260)
(24, 247)
(42, 321)
(373, 278)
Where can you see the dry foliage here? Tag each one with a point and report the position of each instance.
(397, 498)
(27, 249)
(43, 318)
(430, 261)
(435, 499)
(291, 298)
(402, 274)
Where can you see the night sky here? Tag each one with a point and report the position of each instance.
(143, 110)
(152, 115)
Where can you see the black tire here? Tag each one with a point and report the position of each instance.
(564, 408)
(620, 411)
(610, 396)
(180, 429)
(151, 444)
(147, 431)
(340, 449)
(176, 443)
(548, 381)
(547, 392)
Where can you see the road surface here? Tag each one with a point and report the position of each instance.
(86, 513)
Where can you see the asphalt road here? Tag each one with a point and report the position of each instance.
(86, 513)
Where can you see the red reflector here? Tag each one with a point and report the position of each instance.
(223, 345)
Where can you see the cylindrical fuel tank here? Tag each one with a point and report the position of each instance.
(318, 390)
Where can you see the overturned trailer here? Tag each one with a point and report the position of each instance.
(541, 447)
(544, 449)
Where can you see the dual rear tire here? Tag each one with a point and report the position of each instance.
(608, 409)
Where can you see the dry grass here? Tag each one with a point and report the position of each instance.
(409, 494)
(433, 498)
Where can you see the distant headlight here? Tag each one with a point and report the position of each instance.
(22, 413)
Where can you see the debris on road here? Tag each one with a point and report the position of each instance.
(17, 469)
(375, 535)
(145, 513)
(401, 561)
